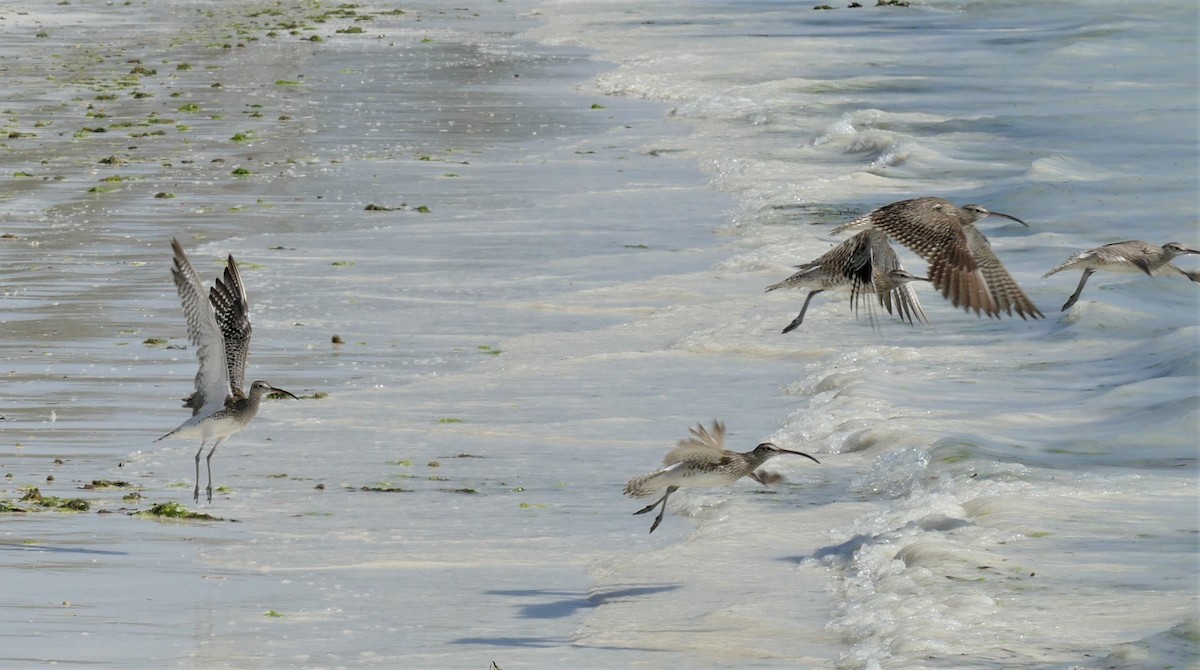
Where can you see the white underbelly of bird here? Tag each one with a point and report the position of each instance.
(207, 428)
(682, 475)
(702, 461)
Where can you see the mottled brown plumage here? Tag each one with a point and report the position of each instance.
(1130, 256)
(701, 460)
(866, 265)
(961, 262)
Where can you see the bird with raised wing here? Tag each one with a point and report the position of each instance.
(1130, 256)
(962, 264)
(867, 266)
(702, 461)
(219, 328)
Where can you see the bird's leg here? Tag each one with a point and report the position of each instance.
(196, 492)
(658, 519)
(1079, 289)
(800, 319)
(1194, 276)
(208, 461)
(654, 504)
(661, 501)
(647, 508)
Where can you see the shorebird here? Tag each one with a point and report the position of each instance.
(1130, 256)
(701, 460)
(961, 262)
(866, 265)
(219, 329)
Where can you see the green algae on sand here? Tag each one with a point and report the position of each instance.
(173, 510)
(34, 496)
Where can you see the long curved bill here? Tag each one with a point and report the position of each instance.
(282, 392)
(798, 453)
(1010, 218)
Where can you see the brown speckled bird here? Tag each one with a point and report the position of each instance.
(1130, 256)
(701, 460)
(866, 265)
(961, 262)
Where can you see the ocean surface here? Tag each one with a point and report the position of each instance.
(542, 230)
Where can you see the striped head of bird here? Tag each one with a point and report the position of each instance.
(980, 212)
(1173, 249)
(261, 388)
(900, 276)
(766, 451)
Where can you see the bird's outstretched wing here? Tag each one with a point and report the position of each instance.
(890, 294)
(962, 287)
(847, 262)
(703, 446)
(1004, 290)
(851, 262)
(232, 310)
(212, 379)
(930, 228)
(903, 297)
(908, 306)
(854, 260)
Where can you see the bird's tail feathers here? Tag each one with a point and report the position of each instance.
(639, 487)
(1062, 266)
(797, 279)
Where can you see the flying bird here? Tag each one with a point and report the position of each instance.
(867, 266)
(1130, 256)
(701, 461)
(962, 264)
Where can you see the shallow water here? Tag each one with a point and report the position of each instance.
(610, 186)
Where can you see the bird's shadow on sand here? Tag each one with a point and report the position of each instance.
(534, 642)
(56, 550)
(566, 603)
(557, 604)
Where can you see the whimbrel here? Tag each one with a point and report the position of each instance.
(961, 262)
(701, 460)
(866, 265)
(1130, 256)
(219, 329)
